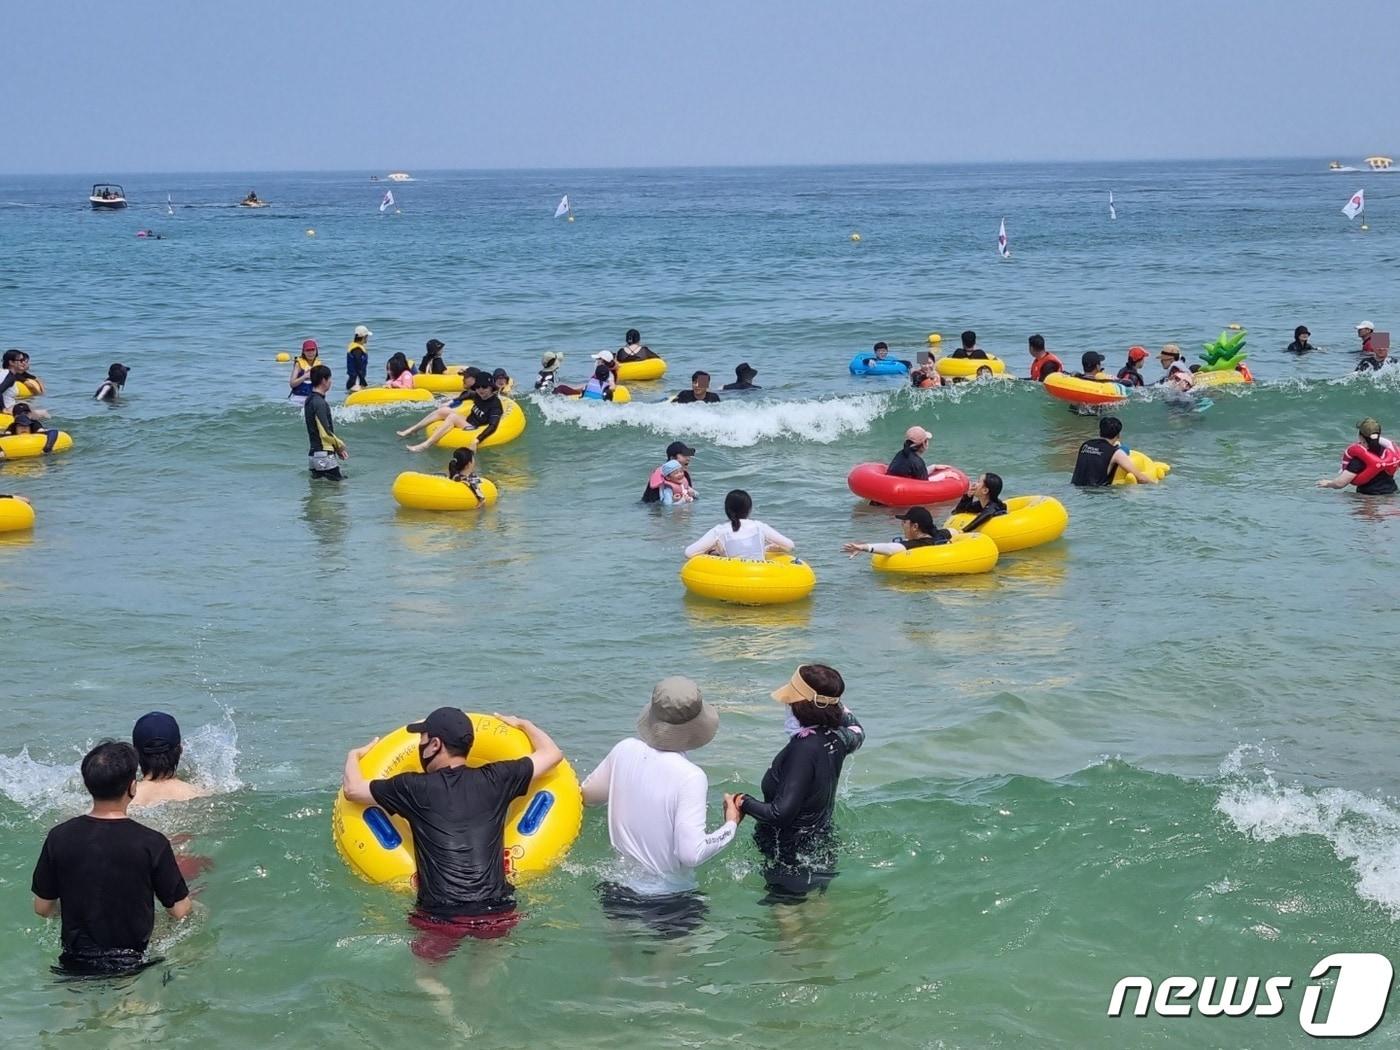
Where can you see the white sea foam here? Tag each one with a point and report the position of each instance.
(731, 424)
(1361, 829)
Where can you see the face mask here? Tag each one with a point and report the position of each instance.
(423, 757)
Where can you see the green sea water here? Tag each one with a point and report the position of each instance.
(1161, 746)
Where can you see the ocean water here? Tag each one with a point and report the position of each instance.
(1164, 745)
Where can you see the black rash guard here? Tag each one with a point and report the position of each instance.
(981, 515)
(319, 427)
(1094, 468)
(908, 464)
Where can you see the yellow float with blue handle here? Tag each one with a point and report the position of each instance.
(29, 446)
(540, 826)
(621, 395)
(1029, 521)
(1145, 463)
(777, 580)
(966, 554)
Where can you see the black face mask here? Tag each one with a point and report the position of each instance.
(423, 757)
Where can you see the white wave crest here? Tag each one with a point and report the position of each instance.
(1361, 829)
(729, 424)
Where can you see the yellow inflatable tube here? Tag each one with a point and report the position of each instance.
(15, 515)
(540, 826)
(1144, 463)
(27, 446)
(621, 395)
(435, 492)
(776, 581)
(640, 371)
(27, 389)
(1029, 521)
(512, 426)
(383, 395)
(969, 367)
(968, 553)
(1230, 378)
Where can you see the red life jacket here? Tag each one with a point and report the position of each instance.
(1040, 363)
(657, 480)
(1387, 462)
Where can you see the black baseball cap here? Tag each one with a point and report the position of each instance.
(921, 517)
(678, 448)
(449, 725)
(155, 733)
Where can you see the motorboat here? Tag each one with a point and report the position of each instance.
(1379, 163)
(1338, 166)
(252, 201)
(107, 196)
(399, 176)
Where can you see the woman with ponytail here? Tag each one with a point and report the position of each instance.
(741, 536)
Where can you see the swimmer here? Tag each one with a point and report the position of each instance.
(432, 363)
(881, 352)
(1101, 457)
(1369, 463)
(908, 462)
(741, 536)
(357, 359)
(1043, 362)
(744, 375)
(925, 376)
(969, 348)
(156, 737)
(24, 422)
(1129, 374)
(471, 378)
(634, 350)
(1091, 362)
(300, 381)
(699, 392)
(326, 448)
(485, 415)
(1300, 344)
(918, 530)
(602, 385)
(983, 500)
(16, 369)
(550, 363)
(680, 452)
(398, 373)
(1178, 376)
(112, 385)
(461, 468)
(669, 481)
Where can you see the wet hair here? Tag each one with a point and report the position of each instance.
(11, 356)
(993, 483)
(969, 339)
(398, 365)
(108, 770)
(117, 374)
(1110, 427)
(633, 336)
(602, 372)
(882, 345)
(827, 681)
(1037, 342)
(695, 376)
(318, 374)
(1300, 330)
(461, 462)
(160, 765)
(738, 505)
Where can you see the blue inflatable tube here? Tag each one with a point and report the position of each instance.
(865, 364)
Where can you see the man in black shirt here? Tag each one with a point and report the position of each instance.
(484, 416)
(699, 391)
(1101, 457)
(908, 462)
(969, 348)
(457, 814)
(326, 448)
(102, 871)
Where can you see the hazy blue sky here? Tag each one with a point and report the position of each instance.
(134, 85)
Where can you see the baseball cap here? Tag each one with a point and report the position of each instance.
(1091, 359)
(678, 448)
(1366, 324)
(920, 516)
(155, 733)
(1368, 427)
(309, 344)
(361, 332)
(1137, 353)
(917, 434)
(603, 355)
(449, 725)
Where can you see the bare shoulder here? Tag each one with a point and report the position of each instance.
(156, 792)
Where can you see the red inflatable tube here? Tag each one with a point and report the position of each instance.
(944, 485)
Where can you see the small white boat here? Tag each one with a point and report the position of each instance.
(1379, 163)
(107, 196)
(1338, 166)
(399, 176)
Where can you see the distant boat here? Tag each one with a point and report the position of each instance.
(1379, 163)
(107, 196)
(252, 201)
(1337, 165)
(399, 176)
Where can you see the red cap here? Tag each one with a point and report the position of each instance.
(1137, 353)
(310, 344)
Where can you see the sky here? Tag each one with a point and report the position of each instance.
(263, 85)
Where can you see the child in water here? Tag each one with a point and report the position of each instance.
(398, 373)
(116, 379)
(25, 422)
(460, 469)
